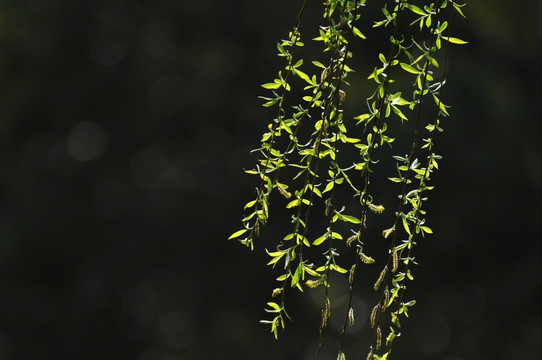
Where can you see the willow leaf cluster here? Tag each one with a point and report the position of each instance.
(307, 168)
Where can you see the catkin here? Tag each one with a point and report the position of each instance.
(381, 278)
(314, 283)
(284, 193)
(378, 338)
(367, 259)
(395, 258)
(326, 312)
(323, 77)
(351, 274)
(351, 239)
(257, 228)
(342, 95)
(376, 208)
(386, 298)
(387, 232)
(389, 339)
(328, 207)
(276, 292)
(374, 313)
(351, 317)
(324, 321)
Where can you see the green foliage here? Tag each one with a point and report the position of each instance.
(409, 72)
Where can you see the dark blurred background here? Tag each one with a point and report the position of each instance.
(124, 128)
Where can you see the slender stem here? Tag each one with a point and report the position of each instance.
(260, 195)
(422, 181)
(409, 170)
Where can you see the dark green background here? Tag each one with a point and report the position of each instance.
(124, 127)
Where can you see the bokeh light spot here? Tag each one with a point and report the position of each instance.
(148, 167)
(86, 141)
(433, 335)
(176, 329)
(166, 95)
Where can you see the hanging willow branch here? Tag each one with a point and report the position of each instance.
(407, 87)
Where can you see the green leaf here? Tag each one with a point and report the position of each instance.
(405, 225)
(399, 112)
(281, 50)
(303, 76)
(250, 204)
(310, 271)
(237, 234)
(416, 10)
(350, 140)
(338, 269)
(320, 240)
(314, 189)
(319, 64)
(458, 8)
(454, 40)
(276, 259)
(351, 219)
(293, 203)
(271, 85)
(380, 23)
(358, 33)
(282, 277)
(298, 275)
(383, 357)
(409, 68)
(333, 6)
(361, 118)
(289, 236)
(329, 186)
(396, 99)
(443, 26)
(426, 229)
(274, 307)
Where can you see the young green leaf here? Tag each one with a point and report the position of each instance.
(237, 234)
(271, 85)
(454, 40)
